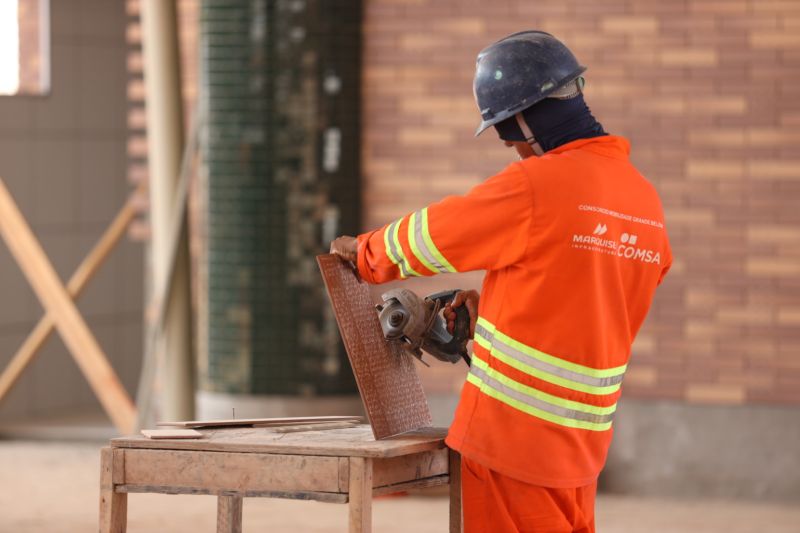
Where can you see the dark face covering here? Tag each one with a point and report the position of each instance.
(554, 122)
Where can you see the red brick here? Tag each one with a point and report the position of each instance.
(629, 24)
(720, 7)
(715, 393)
(689, 57)
(774, 39)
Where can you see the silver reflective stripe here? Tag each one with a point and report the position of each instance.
(537, 403)
(423, 246)
(526, 359)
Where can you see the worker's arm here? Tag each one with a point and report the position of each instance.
(486, 229)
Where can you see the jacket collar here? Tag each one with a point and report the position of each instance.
(607, 145)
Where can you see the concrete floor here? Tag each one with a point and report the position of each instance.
(49, 487)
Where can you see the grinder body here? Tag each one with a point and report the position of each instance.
(418, 322)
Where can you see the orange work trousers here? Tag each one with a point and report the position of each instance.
(494, 503)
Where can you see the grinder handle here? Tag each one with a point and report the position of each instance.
(458, 344)
(461, 333)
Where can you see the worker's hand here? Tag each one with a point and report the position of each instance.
(468, 298)
(345, 247)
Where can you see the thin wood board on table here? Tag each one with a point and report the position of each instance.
(261, 422)
(385, 373)
(310, 427)
(174, 433)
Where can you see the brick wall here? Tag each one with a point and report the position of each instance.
(708, 94)
(34, 62)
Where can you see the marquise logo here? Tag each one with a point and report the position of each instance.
(624, 248)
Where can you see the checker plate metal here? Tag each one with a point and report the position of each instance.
(386, 375)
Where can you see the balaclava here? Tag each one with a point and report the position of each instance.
(553, 122)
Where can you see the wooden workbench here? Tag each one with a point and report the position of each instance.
(338, 465)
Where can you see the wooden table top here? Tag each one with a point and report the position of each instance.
(351, 442)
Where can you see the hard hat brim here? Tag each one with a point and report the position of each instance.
(527, 102)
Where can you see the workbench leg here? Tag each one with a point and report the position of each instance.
(360, 495)
(113, 505)
(229, 514)
(455, 492)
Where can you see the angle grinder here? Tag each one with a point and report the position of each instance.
(419, 324)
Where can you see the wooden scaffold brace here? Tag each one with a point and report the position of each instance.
(59, 301)
(61, 311)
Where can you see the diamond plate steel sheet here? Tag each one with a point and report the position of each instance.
(386, 375)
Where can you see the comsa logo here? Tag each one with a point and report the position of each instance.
(625, 248)
(640, 254)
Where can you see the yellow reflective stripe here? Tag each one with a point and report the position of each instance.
(426, 236)
(394, 251)
(529, 368)
(541, 395)
(550, 378)
(404, 264)
(388, 246)
(566, 365)
(413, 221)
(534, 411)
(482, 342)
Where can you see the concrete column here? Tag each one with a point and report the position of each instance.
(165, 139)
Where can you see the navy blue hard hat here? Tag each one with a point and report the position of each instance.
(518, 71)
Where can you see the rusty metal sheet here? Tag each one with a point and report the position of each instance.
(386, 375)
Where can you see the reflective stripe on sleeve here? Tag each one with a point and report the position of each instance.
(539, 403)
(419, 244)
(394, 250)
(547, 367)
(426, 238)
(388, 244)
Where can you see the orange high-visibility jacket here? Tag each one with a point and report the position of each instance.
(574, 246)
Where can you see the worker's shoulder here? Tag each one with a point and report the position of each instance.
(605, 158)
(512, 177)
(552, 169)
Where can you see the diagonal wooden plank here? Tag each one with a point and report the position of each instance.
(70, 324)
(85, 271)
(386, 375)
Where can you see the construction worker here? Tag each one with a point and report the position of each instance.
(573, 243)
